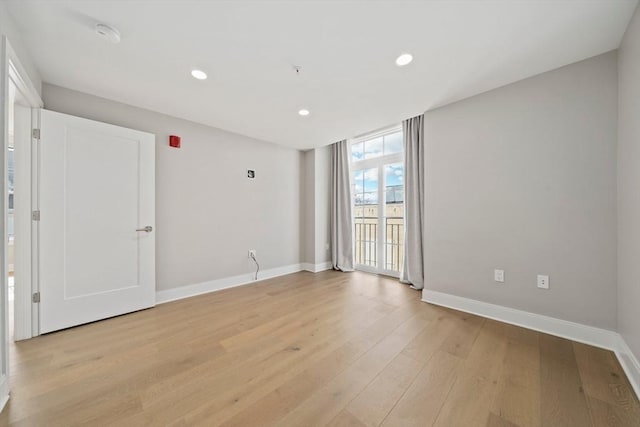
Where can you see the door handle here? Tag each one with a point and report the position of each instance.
(148, 229)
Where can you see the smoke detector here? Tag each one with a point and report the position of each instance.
(108, 33)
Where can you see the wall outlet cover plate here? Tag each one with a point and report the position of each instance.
(543, 281)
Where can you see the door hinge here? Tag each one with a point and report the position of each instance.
(36, 297)
(35, 133)
(35, 215)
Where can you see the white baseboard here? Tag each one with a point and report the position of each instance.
(4, 392)
(316, 268)
(224, 283)
(630, 364)
(3, 401)
(550, 325)
(591, 335)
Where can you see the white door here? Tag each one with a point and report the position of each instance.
(97, 195)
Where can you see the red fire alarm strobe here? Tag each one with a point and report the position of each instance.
(174, 141)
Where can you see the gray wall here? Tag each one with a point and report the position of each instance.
(629, 186)
(308, 207)
(322, 203)
(523, 178)
(316, 205)
(208, 214)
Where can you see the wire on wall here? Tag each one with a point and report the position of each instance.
(253, 257)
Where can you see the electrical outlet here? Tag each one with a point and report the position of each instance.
(252, 253)
(543, 281)
(498, 275)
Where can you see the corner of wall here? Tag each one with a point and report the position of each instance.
(322, 166)
(628, 205)
(308, 207)
(10, 29)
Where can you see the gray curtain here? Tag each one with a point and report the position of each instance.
(341, 218)
(413, 265)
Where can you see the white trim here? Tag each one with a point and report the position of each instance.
(549, 325)
(366, 269)
(379, 163)
(376, 133)
(591, 335)
(372, 270)
(4, 127)
(224, 283)
(20, 78)
(25, 321)
(630, 364)
(316, 268)
(22, 305)
(4, 392)
(35, 225)
(11, 69)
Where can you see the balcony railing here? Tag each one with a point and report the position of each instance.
(366, 242)
(366, 250)
(394, 244)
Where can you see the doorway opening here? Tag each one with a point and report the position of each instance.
(11, 253)
(378, 200)
(18, 116)
(18, 207)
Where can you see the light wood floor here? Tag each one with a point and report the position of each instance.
(303, 350)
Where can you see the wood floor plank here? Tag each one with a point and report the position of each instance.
(478, 382)
(346, 419)
(327, 402)
(602, 376)
(612, 415)
(312, 349)
(284, 398)
(498, 421)
(236, 385)
(461, 339)
(373, 404)
(262, 385)
(562, 396)
(518, 400)
(431, 339)
(423, 399)
(292, 393)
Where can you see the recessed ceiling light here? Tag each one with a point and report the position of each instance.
(404, 59)
(303, 112)
(199, 74)
(108, 33)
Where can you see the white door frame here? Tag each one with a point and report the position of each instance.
(12, 71)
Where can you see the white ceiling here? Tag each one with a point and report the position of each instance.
(347, 49)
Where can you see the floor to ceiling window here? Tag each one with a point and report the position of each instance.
(378, 197)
